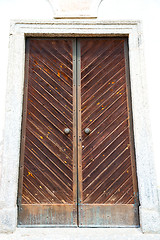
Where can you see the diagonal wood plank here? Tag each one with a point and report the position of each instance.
(48, 152)
(38, 183)
(101, 68)
(106, 151)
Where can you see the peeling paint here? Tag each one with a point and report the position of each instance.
(30, 174)
(58, 74)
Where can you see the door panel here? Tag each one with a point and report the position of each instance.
(108, 193)
(47, 175)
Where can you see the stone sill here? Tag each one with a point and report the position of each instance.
(78, 234)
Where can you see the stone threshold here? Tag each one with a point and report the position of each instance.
(79, 234)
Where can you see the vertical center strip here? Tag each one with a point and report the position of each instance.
(79, 133)
(75, 167)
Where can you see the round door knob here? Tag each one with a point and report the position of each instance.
(67, 131)
(87, 130)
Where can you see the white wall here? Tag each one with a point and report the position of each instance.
(146, 10)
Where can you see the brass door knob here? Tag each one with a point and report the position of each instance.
(67, 131)
(87, 130)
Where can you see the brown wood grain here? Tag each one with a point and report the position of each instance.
(77, 179)
(48, 152)
(106, 151)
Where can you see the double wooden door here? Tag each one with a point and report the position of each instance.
(77, 164)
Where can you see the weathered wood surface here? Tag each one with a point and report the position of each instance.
(106, 154)
(77, 84)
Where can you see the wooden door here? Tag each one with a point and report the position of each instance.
(78, 178)
(107, 175)
(48, 188)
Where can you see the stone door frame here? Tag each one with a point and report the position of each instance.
(148, 210)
